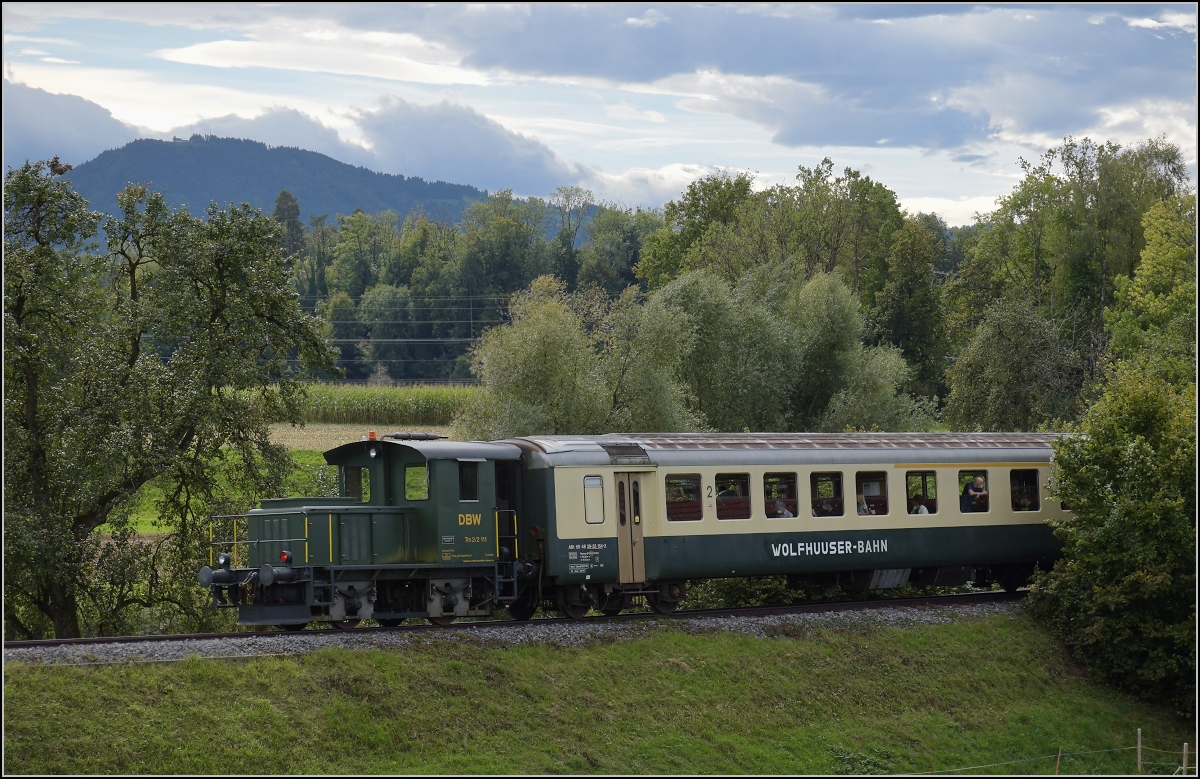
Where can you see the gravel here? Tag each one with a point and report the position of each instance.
(536, 631)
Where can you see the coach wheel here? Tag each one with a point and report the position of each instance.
(1011, 582)
(441, 621)
(523, 608)
(661, 605)
(293, 628)
(345, 624)
(571, 607)
(389, 623)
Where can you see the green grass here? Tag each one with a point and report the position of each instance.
(853, 700)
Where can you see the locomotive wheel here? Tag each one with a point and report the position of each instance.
(662, 606)
(344, 624)
(293, 628)
(390, 623)
(441, 621)
(571, 610)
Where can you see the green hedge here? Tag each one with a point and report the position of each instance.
(417, 404)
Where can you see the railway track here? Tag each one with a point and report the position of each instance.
(465, 626)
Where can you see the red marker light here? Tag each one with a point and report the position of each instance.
(285, 557)
(533, 531)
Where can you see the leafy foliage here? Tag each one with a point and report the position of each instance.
(1124, 595)
(167, 356)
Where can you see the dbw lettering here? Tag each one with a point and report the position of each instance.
(470, 519)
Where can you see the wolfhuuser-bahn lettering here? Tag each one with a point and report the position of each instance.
(604, 522)
(797, 548)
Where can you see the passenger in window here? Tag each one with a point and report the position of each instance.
(915, 506)
(974, 497)
(824, 508)
(1023, 503)
(862, 506)
(781, 510)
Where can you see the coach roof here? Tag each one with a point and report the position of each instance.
(778, 448)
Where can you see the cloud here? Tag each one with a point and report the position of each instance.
(451, 142)
(648, 187)
(651, 18)
(39, 125)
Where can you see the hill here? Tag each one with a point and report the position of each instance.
(204, 169)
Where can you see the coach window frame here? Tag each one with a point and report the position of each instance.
(733, 503)
(928, 478)
(593, 500)
(1026, 487)
(780, 485)
(965, 475)
(696, 481)
(836, 481)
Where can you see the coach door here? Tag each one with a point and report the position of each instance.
(635, 498)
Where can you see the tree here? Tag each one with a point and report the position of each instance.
(287, 213)
(161, 359)
(577, 364)
(1123, 596)
(386, 314)
(1017, 371)
(908, 310)
(711, 200)
(1154, 313)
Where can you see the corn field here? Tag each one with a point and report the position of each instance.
(418, 404)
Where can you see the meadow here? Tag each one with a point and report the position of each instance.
(991, 695)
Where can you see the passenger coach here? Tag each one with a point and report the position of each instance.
(440, 529)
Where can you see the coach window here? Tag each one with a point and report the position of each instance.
(826, 494)
(870, 487)
(921, 488)
(468, 480)
(416, 481)
(733, 496)
(357, 483)
(683, 497)
(779, 494)
(1023, 487)
(593, 500)
(972, 491)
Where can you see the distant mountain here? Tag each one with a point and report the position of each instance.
(204, 169)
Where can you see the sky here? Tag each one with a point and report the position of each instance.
(938, 102)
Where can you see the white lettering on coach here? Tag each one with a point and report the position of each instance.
(809, 548)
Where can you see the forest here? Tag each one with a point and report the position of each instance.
(819, 305)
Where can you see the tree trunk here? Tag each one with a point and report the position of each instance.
(64, 610)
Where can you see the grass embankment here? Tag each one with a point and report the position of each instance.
(857, 699)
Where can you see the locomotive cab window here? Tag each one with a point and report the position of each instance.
(779, 494)
(870, 487)
(733, 496)
(973, 492)
(683, 497)
(416, 481)
(1023, 487)
(468, 480)
(827, 494)
(921, 488)
(356, 483)
(593, 500)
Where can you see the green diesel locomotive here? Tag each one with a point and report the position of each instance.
(441, 529)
